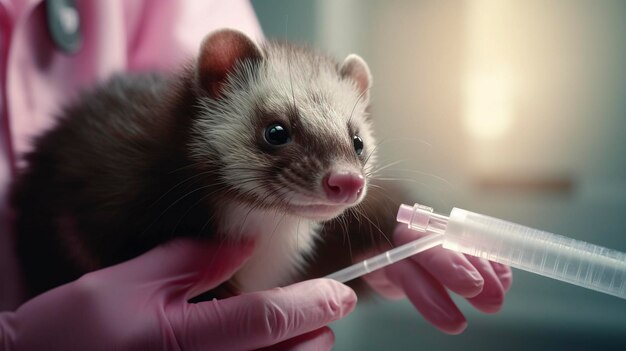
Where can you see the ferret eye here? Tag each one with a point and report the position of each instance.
(358, 144)
(276, 134)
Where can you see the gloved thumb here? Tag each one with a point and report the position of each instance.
(188, 266)
(259, 319)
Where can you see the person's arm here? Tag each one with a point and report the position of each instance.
(142, 304)
(165, 34)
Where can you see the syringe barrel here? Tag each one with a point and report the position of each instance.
(536, 251)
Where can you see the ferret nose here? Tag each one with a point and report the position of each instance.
(342, 186)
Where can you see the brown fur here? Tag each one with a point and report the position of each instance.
(119, 174)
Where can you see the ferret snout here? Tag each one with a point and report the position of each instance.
(343, 186)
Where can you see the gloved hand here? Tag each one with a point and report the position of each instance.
(423, 278)
(142, 305)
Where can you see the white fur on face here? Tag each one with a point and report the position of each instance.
(287, 76)
(326, 104)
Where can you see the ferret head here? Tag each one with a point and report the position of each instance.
(283, 127)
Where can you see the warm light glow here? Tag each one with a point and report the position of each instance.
(488, 110)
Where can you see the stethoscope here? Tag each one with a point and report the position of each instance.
(64, 25)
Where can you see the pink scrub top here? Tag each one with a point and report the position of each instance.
(37, 76)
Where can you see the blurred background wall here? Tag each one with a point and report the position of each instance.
(516, 109)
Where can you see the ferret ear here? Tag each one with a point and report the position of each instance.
(355, 68)
(219, 53)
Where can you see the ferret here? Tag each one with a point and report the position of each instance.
(268, 141)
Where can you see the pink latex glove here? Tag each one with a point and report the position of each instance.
(142, 305)
(424, 278)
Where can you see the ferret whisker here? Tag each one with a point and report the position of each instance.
(181, 168)
(376, 186)
(298, 234)
(202, 198)
(377, 189)
(173, 204)
(206, 223)
(245, 219)
(358, 213)
(373, 152)
(385, 141)
(348, 235)
(284, 214)
(361, 95)
(410, 180)
(379, 230)
(198, 165)
(293, 96)
(380, 169)
(431, 175)
(177, 185)
(363, 214)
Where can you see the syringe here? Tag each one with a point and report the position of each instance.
(532, 250)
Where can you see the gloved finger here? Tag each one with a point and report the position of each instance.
(490, 300)
(379, 281)
(261, 319)
(451, 268)
(428, 296)
(504, 273)
(320, 339)
(188, 266)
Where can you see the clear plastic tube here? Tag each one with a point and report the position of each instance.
(533, 250)
(387, 258)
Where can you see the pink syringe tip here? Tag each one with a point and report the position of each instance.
(405, 213)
